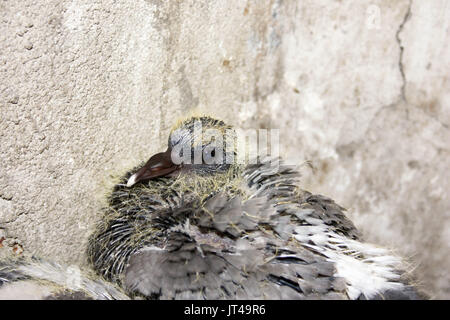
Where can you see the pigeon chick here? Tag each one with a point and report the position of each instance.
(219, 229)
(37, 279)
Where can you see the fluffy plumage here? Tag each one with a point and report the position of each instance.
(244, 232)
(217, 231)
(33, 278)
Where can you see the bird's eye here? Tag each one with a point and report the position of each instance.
(213, 153)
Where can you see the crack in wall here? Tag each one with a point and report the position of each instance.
(400, 60)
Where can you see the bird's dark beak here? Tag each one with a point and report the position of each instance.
(157, 166)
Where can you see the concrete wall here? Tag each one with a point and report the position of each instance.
(360, 88)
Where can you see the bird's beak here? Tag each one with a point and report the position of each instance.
(157, 166)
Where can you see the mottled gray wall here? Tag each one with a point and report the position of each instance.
(360, 88)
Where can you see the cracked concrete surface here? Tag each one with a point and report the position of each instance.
(359, 88)
(402, 48)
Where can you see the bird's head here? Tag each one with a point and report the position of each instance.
(200, 145)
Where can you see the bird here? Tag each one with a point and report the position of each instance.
(211, 228)
(32, 278)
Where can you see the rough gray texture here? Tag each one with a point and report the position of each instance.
(361, 89)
